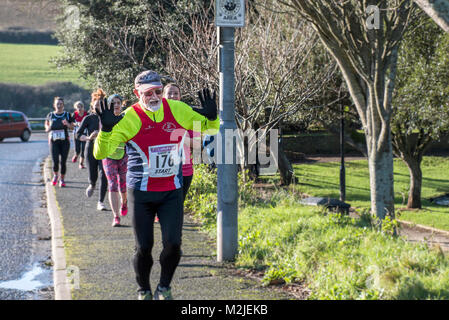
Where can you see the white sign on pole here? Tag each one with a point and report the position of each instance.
(230, 13)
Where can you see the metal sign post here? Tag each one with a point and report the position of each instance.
(342, 155)
(228, 15)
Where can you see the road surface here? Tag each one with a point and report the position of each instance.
(25, 251)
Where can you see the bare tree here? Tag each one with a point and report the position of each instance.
(273, 62)
(277, 73)
(192, 53)
(367, 56)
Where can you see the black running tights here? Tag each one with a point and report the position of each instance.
(59, 150)
(79, 147)
(167, 205)
(95, 166)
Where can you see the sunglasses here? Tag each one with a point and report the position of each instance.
(149, 93)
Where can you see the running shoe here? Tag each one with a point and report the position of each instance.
(100, 206)
(81, 166)
(89, 191)
(116, 223)
(124, 209)
(75, 157)
(55, 180)
(163, 293)
(145, 295)
(61, 183)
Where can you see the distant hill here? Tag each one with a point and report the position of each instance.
(28, 81)
(37, 15)
(28, 21)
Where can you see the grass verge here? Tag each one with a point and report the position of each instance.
(334, 256)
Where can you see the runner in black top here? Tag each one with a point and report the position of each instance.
(80, 146)
(57, 124)
(91, 123)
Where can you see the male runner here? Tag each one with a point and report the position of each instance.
(153, 129)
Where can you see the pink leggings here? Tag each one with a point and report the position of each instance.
(115, 171)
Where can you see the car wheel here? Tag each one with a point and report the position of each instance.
(26, 134)
(1, 139)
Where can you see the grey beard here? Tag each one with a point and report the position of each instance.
(151, 108)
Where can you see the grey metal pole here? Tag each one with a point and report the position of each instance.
(227, 188)
(342, 155)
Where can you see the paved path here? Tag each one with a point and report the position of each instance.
(103, 255)
(418, 233)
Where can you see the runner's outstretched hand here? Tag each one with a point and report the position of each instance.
(208, 104)
(107, 117)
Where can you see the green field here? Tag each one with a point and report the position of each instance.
(322, 179)
(30, 64)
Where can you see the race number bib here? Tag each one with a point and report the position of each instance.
(58, 135)
(164, 160)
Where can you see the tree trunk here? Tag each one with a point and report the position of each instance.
(285, 167)
(414, 195)
(411, 152)
(380, 163)
(438, 10)
(367, 58)
(286, 172)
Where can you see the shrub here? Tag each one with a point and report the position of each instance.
(202, 202)
(28, 36)
(37, 101)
